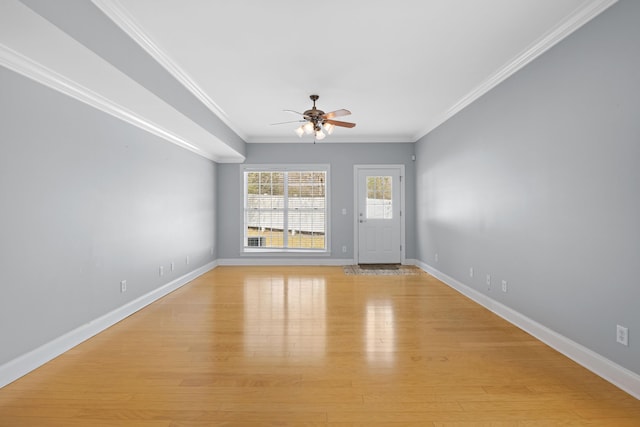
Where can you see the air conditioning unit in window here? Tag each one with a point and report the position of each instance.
(256, 241)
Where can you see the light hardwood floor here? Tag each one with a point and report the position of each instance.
(311, 346)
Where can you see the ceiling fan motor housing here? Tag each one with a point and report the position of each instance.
(314, 113)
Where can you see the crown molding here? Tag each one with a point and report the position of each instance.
(49, 56)
(578, 18)
(119, 15)
(27, 67)
(333, 139)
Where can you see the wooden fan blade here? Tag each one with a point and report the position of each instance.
(339, 123)
(337, 113)
(292, 121)
(295, 112)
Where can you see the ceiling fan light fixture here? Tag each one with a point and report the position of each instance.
(320, 135)
(300, 131)
(329, 128)
(308, 128)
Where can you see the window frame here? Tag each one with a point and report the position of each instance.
(307, 167)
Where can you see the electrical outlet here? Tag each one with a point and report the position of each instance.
(173, 266)
(488, 281)
(436, 257)
(187, 260)
(622, 335)
(504, 286)
(344, 249)
(123, 286)
(161, 271)
(470, 271)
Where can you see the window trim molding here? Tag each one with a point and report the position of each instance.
(286, 167)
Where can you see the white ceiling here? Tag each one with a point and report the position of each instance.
(401, 67)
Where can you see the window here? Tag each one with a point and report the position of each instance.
(379, 203)
(285, 209)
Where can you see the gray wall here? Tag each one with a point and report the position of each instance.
(342, 158)
(87, 201)
(538, 183)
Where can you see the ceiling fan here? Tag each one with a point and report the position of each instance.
(318, 122)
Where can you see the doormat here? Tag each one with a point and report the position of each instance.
(379, 266)
(382, 270)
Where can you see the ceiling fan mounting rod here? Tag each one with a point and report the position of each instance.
(314, 115)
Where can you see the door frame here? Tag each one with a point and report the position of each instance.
(356, 237)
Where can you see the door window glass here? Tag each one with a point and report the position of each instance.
(379, 203)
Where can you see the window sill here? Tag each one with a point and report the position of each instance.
(279, 251)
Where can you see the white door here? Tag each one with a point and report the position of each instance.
(378, 215)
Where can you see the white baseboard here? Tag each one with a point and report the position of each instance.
(605, 368)
(26, 363)
(258, 261)
(617, 375)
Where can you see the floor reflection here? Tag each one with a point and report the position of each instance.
(380, 333)
(285, 316)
